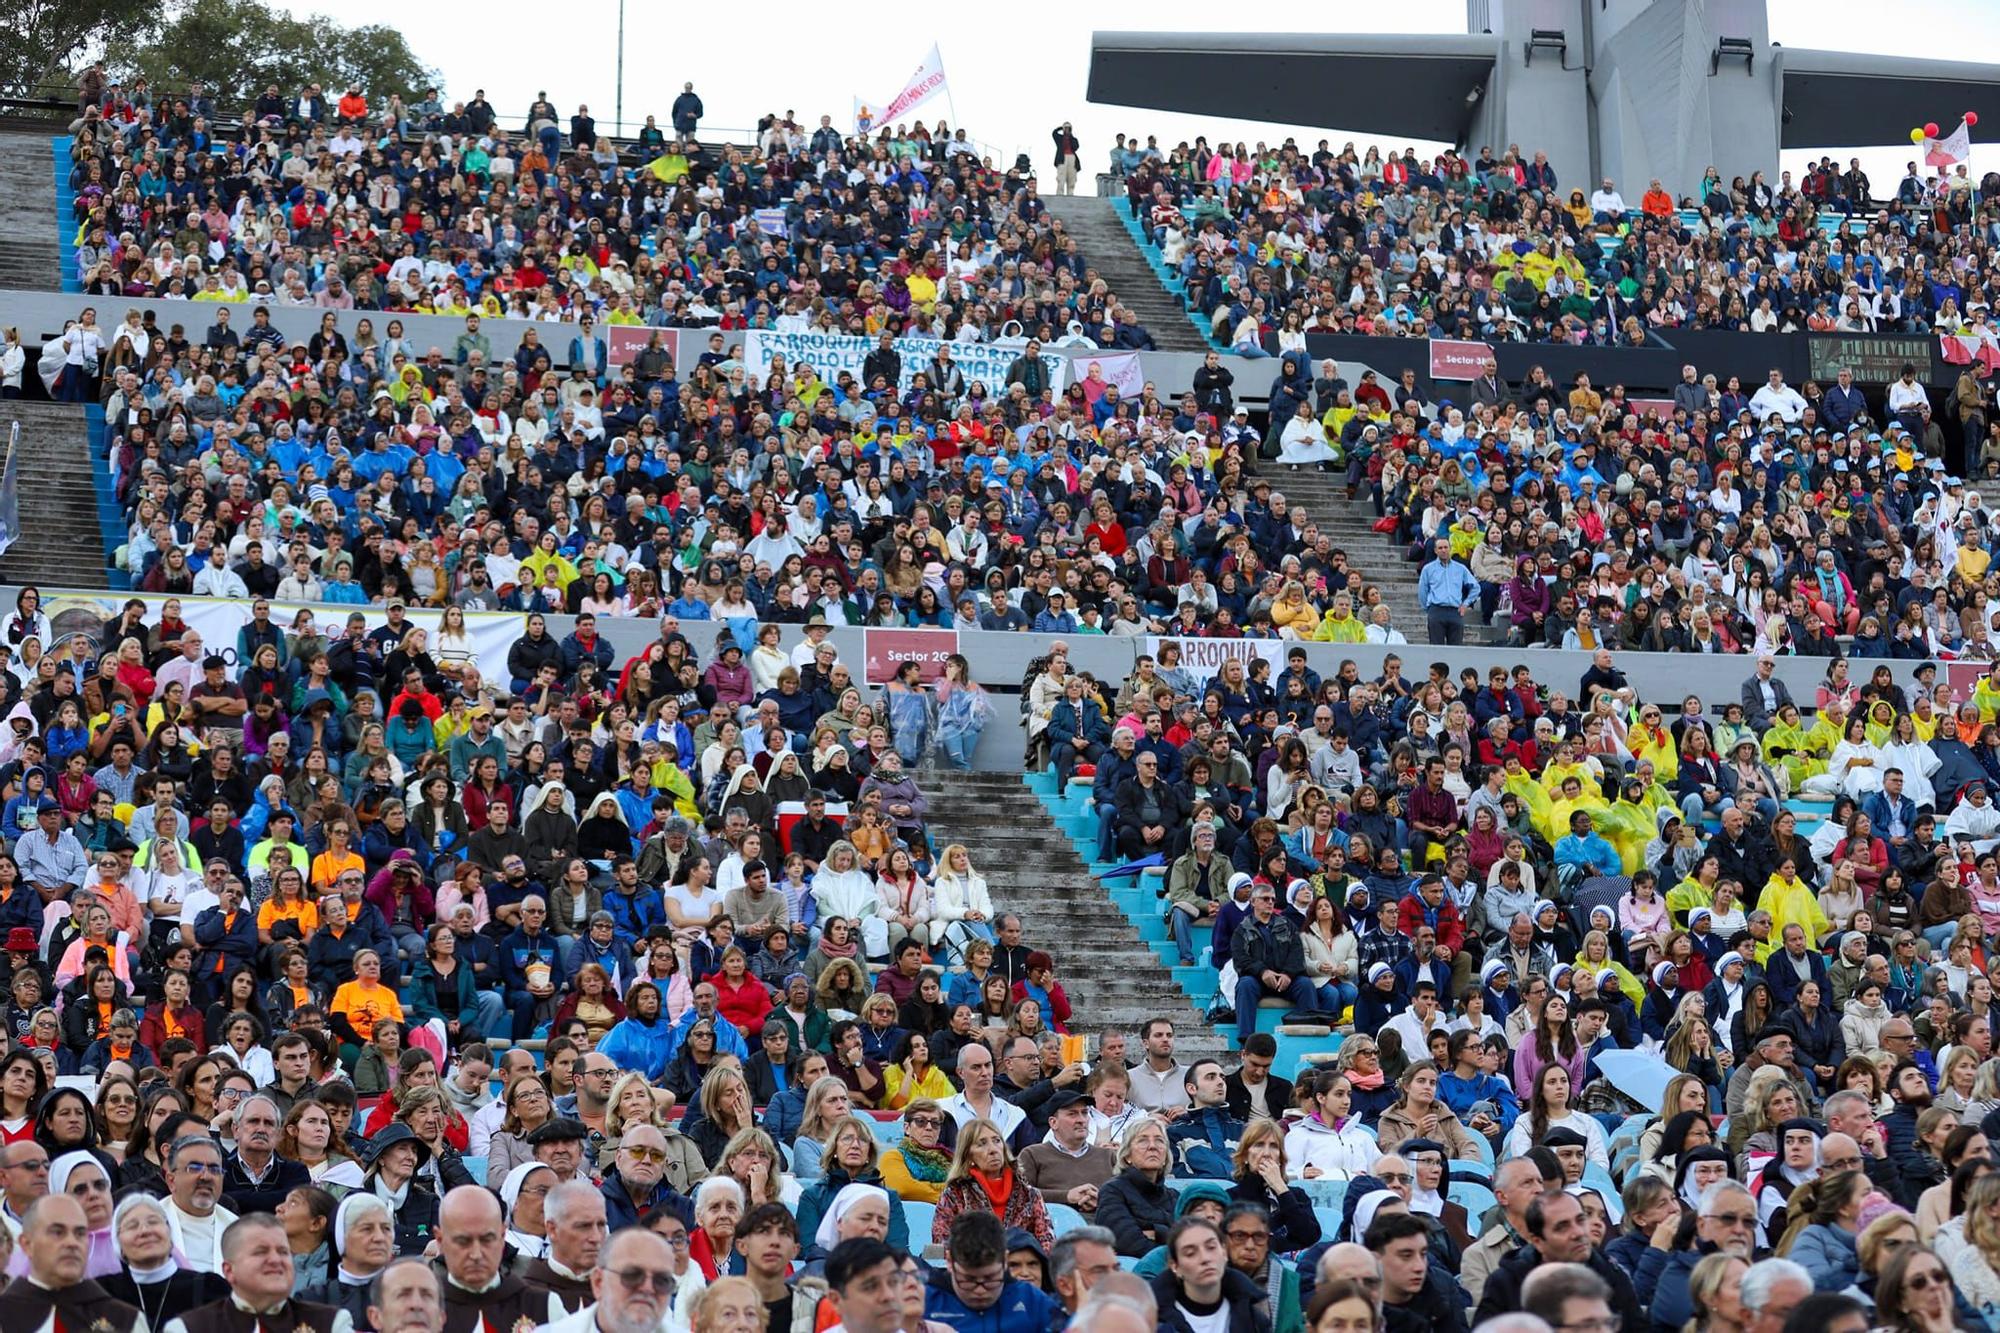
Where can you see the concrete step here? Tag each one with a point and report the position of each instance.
(30, 252)
(1110, 249)
(1115, 980)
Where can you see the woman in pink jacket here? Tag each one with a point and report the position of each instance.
(1552, 1042)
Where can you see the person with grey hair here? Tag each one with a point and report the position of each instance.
(1771, 1290)
(194, 1184)
(575, 1217)
(1569, 1297)
(1121, 1302)
(1725, 1223)
(253, 1175)
(1349, 1260)
(663, 855)
(1515, 1323)
(1079, 1261)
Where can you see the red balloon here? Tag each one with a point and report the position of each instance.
(1930, 129)
(1971, 119)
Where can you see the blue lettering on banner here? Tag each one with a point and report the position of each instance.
(830, 353)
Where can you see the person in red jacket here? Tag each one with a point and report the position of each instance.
(1429, 905)
(740, 997)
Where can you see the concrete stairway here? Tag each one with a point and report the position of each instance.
(1109, 249)
(1114, 980)
(61, 544)
(1351, 525)
(30, 257)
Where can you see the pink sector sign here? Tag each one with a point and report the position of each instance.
(623, 342)
(888, 649)
(1454, 360)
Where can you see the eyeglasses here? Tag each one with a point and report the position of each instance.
(979, 1281)
(647, 1154)
(200, 1168)
(1396, 1178)
(924, 1121)
(40, 1164)
(635, 1279)
(1264, 1236)
(1842, 1164)
(679, 1240)
(1734, 1219)
(1923, 1281)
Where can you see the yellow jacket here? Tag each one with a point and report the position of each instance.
(1340, 629)
(1658, 746)
(1794, 903)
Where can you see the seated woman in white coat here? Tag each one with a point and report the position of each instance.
(1974, 817)
(1303, 443)
(1855, 767)
(1330, 1143)
(1916, 760)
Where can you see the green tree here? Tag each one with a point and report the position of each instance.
(46, 41)
(239, 47)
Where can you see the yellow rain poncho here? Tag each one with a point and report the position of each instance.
(1794, 902)
(1628, 827)
(1687, 895)
(1656, 744)
(1535, 800)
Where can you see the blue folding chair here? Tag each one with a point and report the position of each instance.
(918, 1217)
(1474, 1197)
(1065, 1219)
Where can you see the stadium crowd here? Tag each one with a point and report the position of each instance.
(419, 208)
(1493, 246)
(298, 916)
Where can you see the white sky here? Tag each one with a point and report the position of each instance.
(1015, 71)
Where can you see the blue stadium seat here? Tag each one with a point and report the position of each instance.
(918, 1216)
(1474, 1197)
(1065, 1218)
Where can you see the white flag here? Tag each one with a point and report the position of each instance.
(919, 88)
(1951, 150)
(866, 113)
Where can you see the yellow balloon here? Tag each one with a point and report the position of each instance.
(1916, 136)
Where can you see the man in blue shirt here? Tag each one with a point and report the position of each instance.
(1446, 590)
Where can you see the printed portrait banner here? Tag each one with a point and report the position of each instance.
(831, 353)
(1204, 657)
(219, 618)
(887, 649)
(1124, 370)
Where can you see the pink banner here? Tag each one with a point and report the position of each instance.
(624, 342)
(1453, 360)
(887, 649)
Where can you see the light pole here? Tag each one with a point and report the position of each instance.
(618, 112)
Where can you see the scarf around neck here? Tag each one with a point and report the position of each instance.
(929, 1165)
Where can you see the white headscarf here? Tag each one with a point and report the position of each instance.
(1364, 1211)
(534, 1247)
(844, 1203)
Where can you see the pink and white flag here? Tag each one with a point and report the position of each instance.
(919, 88)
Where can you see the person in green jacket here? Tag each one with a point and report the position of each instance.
(808, 1023)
